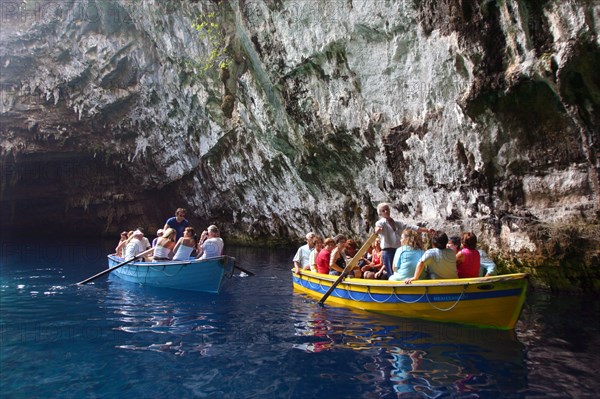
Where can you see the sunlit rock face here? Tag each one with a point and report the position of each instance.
(478, 116)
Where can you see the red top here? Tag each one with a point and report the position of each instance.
(323, 261)
(470, 265)
(376, 259)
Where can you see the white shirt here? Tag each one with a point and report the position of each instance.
(212, 247)
(183, 252)
(390, 236)
(303, 256)
(134, 247)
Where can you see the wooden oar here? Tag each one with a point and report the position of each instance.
(349, 266)
(103, 272)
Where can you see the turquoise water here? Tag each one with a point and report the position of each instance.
(260, 339)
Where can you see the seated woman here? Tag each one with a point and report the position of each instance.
(186, 244)
(468, 259)
(350, 249)
(374, 269)
(337, 261)
(324, 256)
(407, 256)
(120, 249)
(163, 250)
(312, 258)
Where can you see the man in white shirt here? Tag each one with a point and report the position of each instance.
(211, 245)
(389, 231)
(135, 245)
(302, 257)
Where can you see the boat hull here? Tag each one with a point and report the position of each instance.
(205, 275)
(493, 302)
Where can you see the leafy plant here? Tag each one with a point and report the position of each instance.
(211, 31)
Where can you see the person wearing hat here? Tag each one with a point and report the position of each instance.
(159, 234)
(211, 244)
(145, 240)
(134, 245)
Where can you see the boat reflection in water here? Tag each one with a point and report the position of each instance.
(418, 358)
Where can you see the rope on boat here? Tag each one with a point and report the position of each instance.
(164, 268)
(451, 307)
(375, 300)
(313, 286)
(415, 301)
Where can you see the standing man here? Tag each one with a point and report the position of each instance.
(178, 223)
(389, 231)
(211, 244)
(302, 257)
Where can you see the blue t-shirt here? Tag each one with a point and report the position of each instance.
(405, 260)
(179, 227)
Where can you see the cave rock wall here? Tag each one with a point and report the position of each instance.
(478, 116)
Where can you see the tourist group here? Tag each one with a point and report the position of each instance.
(176, 241)
(398, 254)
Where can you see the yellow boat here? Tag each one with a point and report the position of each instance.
(492, 302)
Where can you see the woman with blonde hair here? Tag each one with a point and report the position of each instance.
(407, 256)
(165, 245)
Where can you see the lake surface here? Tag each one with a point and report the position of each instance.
(259, 338)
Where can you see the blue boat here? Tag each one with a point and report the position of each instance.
(204, 275)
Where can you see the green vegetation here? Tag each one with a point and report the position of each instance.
(210, 29)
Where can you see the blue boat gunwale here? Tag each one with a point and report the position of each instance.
(202, 275)
(191, 261)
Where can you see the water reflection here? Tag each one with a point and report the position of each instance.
(259, 338)
(415, 358)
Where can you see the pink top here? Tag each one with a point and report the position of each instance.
(470, 265)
